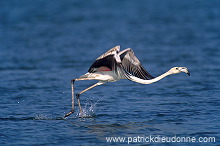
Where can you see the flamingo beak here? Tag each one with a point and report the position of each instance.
(188, 73)
(184, 69)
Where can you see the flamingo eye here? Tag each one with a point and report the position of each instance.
(177, 68)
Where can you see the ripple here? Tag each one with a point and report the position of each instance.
(16, 119)
(38, 117)
(45, 117)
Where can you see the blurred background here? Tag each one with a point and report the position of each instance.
(45, 44)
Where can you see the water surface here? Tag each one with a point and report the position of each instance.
(46, 44)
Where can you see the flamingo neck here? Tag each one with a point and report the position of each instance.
(142, 81)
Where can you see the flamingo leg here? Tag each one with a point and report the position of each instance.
(77, 95)
(72, 87)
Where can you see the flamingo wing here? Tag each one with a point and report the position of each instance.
(132, 65)
(106, 62)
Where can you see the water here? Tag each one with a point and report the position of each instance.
(46, 44)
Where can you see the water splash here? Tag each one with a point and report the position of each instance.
(45, 117)
(89, 110)
(42, 117)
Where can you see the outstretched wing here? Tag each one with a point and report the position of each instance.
(132, 65)
(112, 51)
(106, 62)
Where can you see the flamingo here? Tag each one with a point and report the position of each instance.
(115, 65)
